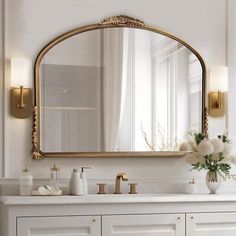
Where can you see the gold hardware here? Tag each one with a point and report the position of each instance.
(205, 120)
(94, 220)
(101, 188)
(21, 102)
(54, 168)
(132, 189)
(216, 103)
(178, 218)
(191, 217)
(123, 20)
(116, 21)
(25, 170)
(120, 176)
(37, 155)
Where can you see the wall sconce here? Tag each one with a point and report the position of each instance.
(218, 88)
(21, 97)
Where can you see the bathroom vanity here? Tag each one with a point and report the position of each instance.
(135, 100)
(107, 215)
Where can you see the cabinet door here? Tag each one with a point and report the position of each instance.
(144, 225)
(59, 226)
(211, 224)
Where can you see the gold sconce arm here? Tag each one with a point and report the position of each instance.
(218, 78)
(219, 100)
(216, 103)
(21, 102)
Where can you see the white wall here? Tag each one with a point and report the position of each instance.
(30, 24)
(232, 67)
(1, 86)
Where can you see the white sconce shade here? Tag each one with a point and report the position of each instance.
(21, 97)
(219, 78)
(21, 69)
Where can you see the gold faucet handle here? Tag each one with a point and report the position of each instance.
(132, 189)
(101, 188)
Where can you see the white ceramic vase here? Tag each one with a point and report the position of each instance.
(213, 181)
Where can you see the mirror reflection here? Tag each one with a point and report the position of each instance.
(119, 89)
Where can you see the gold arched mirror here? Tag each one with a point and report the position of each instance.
(116, 88)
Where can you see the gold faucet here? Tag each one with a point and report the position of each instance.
(120, 176)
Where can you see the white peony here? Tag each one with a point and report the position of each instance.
(193, 144)
(227, 148)
(233, 159)
(201, 159)
(217, 144)
(214, 157)
(185, 147)
(192, 141)
(194, 158)
(205, 147)
(227, 159)
(191, 159)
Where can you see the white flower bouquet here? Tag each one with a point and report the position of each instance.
(212, 155)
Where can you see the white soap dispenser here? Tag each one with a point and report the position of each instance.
(76, 186)
(84, 180)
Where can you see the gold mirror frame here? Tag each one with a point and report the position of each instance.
(117, 21)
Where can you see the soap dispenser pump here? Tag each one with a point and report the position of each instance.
(84, 180)
(76, 186)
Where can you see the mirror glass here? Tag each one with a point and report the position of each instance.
(119, 89)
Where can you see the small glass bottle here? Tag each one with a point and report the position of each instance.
(55, 176)
(26, 182)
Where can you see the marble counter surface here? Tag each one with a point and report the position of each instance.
(113, 199)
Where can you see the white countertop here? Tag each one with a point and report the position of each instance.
(116, 199)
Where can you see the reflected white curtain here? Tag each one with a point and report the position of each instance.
(171, 83)
(113, 86)
(126, 131)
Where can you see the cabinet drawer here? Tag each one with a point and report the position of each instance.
(144, 225)
(59, 226)
(211, 224)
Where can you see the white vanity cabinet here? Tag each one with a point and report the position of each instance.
(122, 225)
(109, 215)
(197, 224)
(144, 225)
(211, 224)
(60, 226)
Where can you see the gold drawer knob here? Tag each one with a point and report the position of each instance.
(94, 220)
